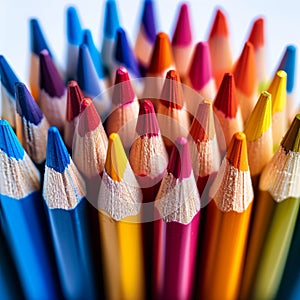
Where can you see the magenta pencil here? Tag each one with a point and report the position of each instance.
(176, 233)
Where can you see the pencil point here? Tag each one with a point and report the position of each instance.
(74, 98)
(257, 34)
(288, 64)
(122, 91)
(74, 29)
(244, 71)
(9, 143)
(37, 40)
(237, 152)
(26, 106)
(183, 33)
(7, 76)
(291, 141)
(116, 160)
(172, 93)
(148, 20)
(124, 54)
(86, 73)
(180, 164)
(200, 72)
(162, 57)
(147, 123)
(226, 99)
(219, 26)
(202, 128)
(57, 156)
(260, 119)
(111, 19)
(50, 80)
(277, 89)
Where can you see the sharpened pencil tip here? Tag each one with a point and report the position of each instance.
(180, 163)
(9, 143)
(26, 106)
(74, 98)
(148, 20)
(57, 156)
(291, 141)
(219, 26)
(237, 152)
(257, 34)
(111, 19)
(7, 76)
(74, 29)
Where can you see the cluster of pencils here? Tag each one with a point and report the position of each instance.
(165, 171)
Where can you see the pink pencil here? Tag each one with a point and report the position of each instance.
(176, 233)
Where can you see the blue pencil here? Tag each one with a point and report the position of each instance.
(91, 86)
(37, 44)
(110, 26)
(67, 207)
(290, 286)
(23, 218)
(7, 101)
(74, 38)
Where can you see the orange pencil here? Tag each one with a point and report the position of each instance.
(219, 47)
(244, 73)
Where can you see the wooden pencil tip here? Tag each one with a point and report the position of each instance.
(116, 160)
(219, 26)
(237, 152)
(122, 91)
(260, 119)
(203, 128)
(162, 57)
(226, 99)
(183, 33)
(172, 93)
(257, 34)
(245, 70)
(291, 140)
(180, 163)
(277, 89)
(74, 97)
(147, 122)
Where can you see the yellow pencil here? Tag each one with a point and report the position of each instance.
(119, 203)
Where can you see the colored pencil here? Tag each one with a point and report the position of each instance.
(125, 109)
(32, 126)
(64, 195)
(277, 89)
(203, 145)
(227, 110)
(244, 72)
(8, 101)
(274, 220)
(119, 202)
(219, 47)
(148, 159)
(182, 41)
(290, 283)
(91, 86)
(258, 130)
(37, 44)
(288, 64)
(74, 39)
(257, 39)
(96, 57)
(173, 119)
(146, 36)
(23, 219)
(200, 76)
(10, 285)
(178, 204)
(228, 214)
(90, 147)
(74, 98)
(110, 25)
(53, 93)
(160, 63)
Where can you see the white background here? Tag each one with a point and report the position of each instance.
(282, 24)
